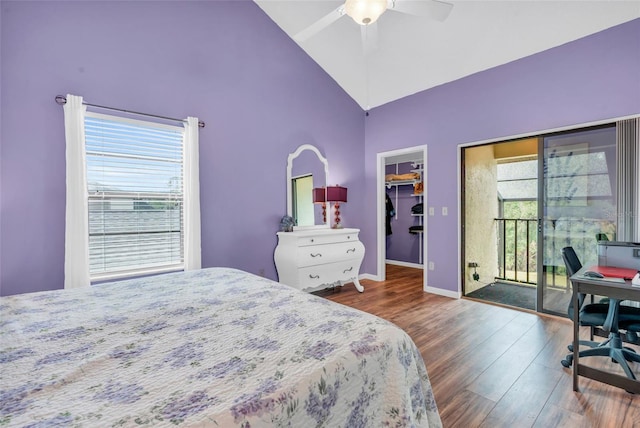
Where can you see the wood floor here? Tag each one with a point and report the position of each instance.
(492, 366)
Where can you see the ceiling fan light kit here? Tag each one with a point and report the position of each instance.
(365, 12)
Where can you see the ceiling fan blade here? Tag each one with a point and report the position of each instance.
(369, 35)
(319, 25)
(435, 9)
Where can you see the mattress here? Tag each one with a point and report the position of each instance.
(214, 347)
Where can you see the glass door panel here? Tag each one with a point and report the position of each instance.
(578, 203)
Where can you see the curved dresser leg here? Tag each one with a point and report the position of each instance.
(359, 287)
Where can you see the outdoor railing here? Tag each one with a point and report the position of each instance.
(517, 249)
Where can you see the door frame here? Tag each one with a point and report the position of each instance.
(381, 210)
(462, 146)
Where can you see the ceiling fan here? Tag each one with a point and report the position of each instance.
(366, 13)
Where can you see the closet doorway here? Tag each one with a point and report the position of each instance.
(402, 210)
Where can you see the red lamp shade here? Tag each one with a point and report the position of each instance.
(319, 195)
(336, 194)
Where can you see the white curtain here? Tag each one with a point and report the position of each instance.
(76, 248)
(192, 249)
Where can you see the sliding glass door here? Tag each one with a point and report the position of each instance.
(523, 202)
(578, 206)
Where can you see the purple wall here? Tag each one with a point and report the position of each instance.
(226, 62)
(261, 96)
(591, 79)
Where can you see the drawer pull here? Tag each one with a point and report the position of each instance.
(348, 270)
(315, 255)
(351, 250)
(314, 276)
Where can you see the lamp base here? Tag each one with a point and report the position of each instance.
(336, 221)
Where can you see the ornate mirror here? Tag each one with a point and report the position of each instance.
(306, 169)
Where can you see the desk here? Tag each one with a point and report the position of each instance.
(600, 287)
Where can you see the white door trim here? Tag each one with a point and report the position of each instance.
(381, 210)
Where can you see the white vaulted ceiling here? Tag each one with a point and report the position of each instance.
(417, 53)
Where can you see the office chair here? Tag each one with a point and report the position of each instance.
(593, 314)
(608, 316)
(632, 333)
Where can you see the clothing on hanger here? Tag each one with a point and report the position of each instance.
(390, 213)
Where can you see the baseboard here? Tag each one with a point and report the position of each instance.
(427, 289)
(441, 292)
(405, 264)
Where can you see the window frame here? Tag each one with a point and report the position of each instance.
(140, 269)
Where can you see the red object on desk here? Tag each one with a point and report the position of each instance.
(614, 272)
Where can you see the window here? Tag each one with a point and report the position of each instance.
(138, 181)
(134, 174)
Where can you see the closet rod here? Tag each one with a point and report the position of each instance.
(61, 100)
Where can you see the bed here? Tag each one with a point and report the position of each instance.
(214, 347)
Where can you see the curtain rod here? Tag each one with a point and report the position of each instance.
(61, 100)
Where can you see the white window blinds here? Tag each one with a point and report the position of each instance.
(135, 194)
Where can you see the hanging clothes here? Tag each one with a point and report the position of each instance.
(390, 213)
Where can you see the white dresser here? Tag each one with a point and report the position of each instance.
(313, 259)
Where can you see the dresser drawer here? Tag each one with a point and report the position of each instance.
(329, 253)
(327, 239)
(314, 277)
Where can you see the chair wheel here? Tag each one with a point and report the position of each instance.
(566, 362)
(570, 347)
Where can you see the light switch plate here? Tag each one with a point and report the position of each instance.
(445, 211)
(432, 211)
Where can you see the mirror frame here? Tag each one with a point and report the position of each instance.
(290, 160)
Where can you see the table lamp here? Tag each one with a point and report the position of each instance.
(336, 194)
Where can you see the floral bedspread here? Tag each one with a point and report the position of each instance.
(216, 347)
